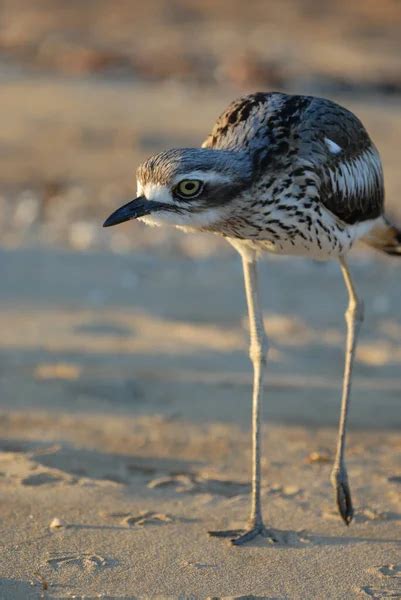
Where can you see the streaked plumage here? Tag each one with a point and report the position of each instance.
(316, 173)
(296, 135)
(287, 174)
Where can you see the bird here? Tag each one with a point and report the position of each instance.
(287, 174)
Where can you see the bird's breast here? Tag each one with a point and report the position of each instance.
(294, 228)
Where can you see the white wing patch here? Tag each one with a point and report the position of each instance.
(332, 146)
(357, 177)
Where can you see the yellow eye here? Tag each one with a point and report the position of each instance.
(188, 188)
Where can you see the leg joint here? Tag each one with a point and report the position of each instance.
(355, 310)
(258, 350)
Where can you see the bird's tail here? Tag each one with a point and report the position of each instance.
(384, 236)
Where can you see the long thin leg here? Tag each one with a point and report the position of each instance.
(257, 354)
(354, 318)
(257, 351)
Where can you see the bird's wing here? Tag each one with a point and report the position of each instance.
(260, 123)
(345, 160)
(282, 132)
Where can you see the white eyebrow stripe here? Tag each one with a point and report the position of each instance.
(156, 192)
(162, 193)
(205, 176)
(332, 146)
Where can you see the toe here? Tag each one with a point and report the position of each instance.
(225, 533)
(246, 537)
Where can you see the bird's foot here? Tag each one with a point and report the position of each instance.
(339, 480)
(241, 536)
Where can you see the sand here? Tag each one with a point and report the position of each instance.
(126, 418)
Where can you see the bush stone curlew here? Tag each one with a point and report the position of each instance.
(295, 175)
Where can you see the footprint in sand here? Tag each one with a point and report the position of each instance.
(144, 518)
(200, 485)
(148, 518)
(390, 570)
(378, 593)
(85, 562)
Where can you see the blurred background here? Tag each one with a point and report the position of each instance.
(89, 89)
(124, 372)
(138, 318)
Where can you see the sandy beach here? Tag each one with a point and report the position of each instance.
(128, 420)
(124, 373)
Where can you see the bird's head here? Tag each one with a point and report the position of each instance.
(190, 187)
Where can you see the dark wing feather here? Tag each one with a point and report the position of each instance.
(282, 132)
(351, 176)
(264, 125)
(243, 125)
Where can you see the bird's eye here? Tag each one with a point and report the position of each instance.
(188, 188)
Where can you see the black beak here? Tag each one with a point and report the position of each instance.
(134, 209)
